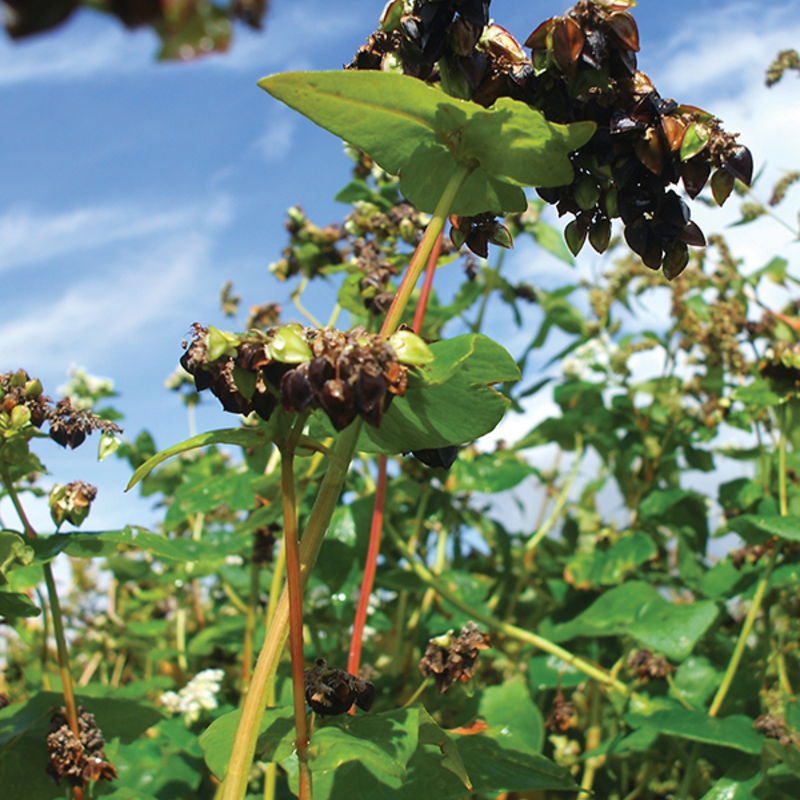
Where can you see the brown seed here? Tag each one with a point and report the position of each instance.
(673, 129)
(695, 173)
(625, 33)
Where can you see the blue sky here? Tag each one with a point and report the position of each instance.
(132, 190)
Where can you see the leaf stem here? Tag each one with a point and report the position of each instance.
(420, 257)
(264, 673)
(598, 673)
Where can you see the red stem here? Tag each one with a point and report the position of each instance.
(367, 582)
(369, 570)
(422, 306)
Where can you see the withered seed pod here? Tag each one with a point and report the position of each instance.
(331, 691)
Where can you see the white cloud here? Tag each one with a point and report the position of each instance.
(93, 46)
(27, 237)
(276, 141)
(87, 314)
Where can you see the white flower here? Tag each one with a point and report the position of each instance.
(199, 694)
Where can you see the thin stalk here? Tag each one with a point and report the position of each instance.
(44, 656)
(420, 257)
(594, 735)
(420, 689)
(758, 597)
(61, 650)
(733, 664)
(688, 773)
(250, 623)
(598, 673)
(180, 638)
(271, 773)
(301, 287)
(277, 633)
(293, 581)
(563, 496)
(368, 580)
(58, 621)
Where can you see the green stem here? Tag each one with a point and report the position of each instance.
(686, 782)
(599, 674)
(250, 623)
(293, 581)
(299, 306)
(61, 650)
(253, 709)
(423, 251)
(733, 665)
(533, 542)
(758, 597)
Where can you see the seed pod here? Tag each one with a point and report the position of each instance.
(739, 162)
(410, 348)
(695, 173)
(722, 183)
(600, 234)
(691, 234)
(575, 236)
(538, 39)
(586, 193)
(674, 131)
(370, 394)
(675, 260)
(650, 152)
(331, 691)
(567, 44)
(296, 389)
(338, 402)
(624, 32)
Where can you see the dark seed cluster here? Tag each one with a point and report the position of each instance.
(345, 373)
(774, 726)
(69, 426)
(648, 666)
(79, 760)
(563, 716)
(331, 691)
(450, 658)
(583, 67)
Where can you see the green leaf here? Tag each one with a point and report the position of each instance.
(757, 394)
(490, 472)
(17, 604)
(734, 731)
(275, 741)
(448, 402)
(510, 705)
(549, 239)
(550, 672)
(496, 765)
(695, 681)
(756, 529)
(383, 743)
(609, 567)
(202, 494)
(730, 788)
(636, 609)
(14, 550)
(243, 437)
(421, 134)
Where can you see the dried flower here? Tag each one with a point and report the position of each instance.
(449, 659)
(330, 690)
(79, 760)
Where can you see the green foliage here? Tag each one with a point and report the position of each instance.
(421, 134)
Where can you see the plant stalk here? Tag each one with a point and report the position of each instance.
(294, 584)
(423, 251)
(253, 709)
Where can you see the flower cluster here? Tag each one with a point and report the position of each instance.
(344, 373)
(79, 760)
(449, 658)
(583, 66)
(23, 403)
(200, 693)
